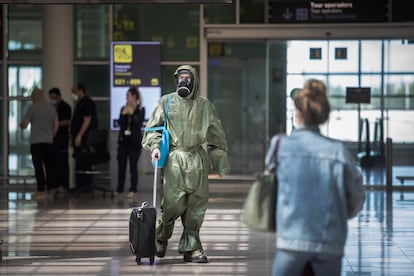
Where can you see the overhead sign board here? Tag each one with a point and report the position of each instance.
(117, 2)
(134, 64)
(358, 95)
(325, 11)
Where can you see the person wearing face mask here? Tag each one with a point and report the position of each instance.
(130, 122)
(84, 119)
(61, 139)
(192, 121)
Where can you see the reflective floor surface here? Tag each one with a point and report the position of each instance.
(84, 236)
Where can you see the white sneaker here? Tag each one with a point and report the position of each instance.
(131, 195)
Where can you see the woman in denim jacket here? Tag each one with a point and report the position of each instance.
(320, 188)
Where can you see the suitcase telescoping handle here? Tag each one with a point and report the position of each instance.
(154, 192)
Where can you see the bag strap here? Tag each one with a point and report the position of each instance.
(166, 111)
(276, 148)
(275, 151)
(165, 119)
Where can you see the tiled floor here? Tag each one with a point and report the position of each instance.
(82, 236)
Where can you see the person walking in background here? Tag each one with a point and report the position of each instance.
(61, 140)
(84, 119)
(44, 123)
(192, 121)
(130, 122)
(320, 188)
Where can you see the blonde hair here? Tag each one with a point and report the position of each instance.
(313, 102)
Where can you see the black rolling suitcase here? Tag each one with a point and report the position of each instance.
(142, 228)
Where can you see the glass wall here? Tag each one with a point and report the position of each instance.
(21, 83)
(176, 27)
(91, 32)
(251, 12)
(237, 87)
(358, 63)
(23, 79)
(24, 73)
(92, 46)
(238, 82)
(220, 14)
(20, 163)
(25, 32)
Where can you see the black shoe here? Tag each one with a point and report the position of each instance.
(196, 256)
(161, 248)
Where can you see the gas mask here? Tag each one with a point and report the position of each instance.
(184, 88)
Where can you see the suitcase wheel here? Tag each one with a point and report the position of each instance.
(152, 260)
(138, 260)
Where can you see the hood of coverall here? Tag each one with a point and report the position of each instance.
(195, 92)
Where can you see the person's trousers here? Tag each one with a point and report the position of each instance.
(62, 167)
(191, 208)
(132, 154)
(292, 263)
(43, 163)
(185, 195)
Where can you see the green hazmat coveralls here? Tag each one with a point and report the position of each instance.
(192, 122)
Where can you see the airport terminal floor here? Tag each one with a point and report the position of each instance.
(84, 236)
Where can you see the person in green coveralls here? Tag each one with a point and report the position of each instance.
(192, 121)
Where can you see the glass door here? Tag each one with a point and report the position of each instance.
(22, 81)
(237, 87)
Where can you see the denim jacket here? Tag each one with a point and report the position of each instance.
(320, 188)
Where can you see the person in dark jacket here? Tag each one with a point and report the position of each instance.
(61, 140)
(84, 120)
(130, 121)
